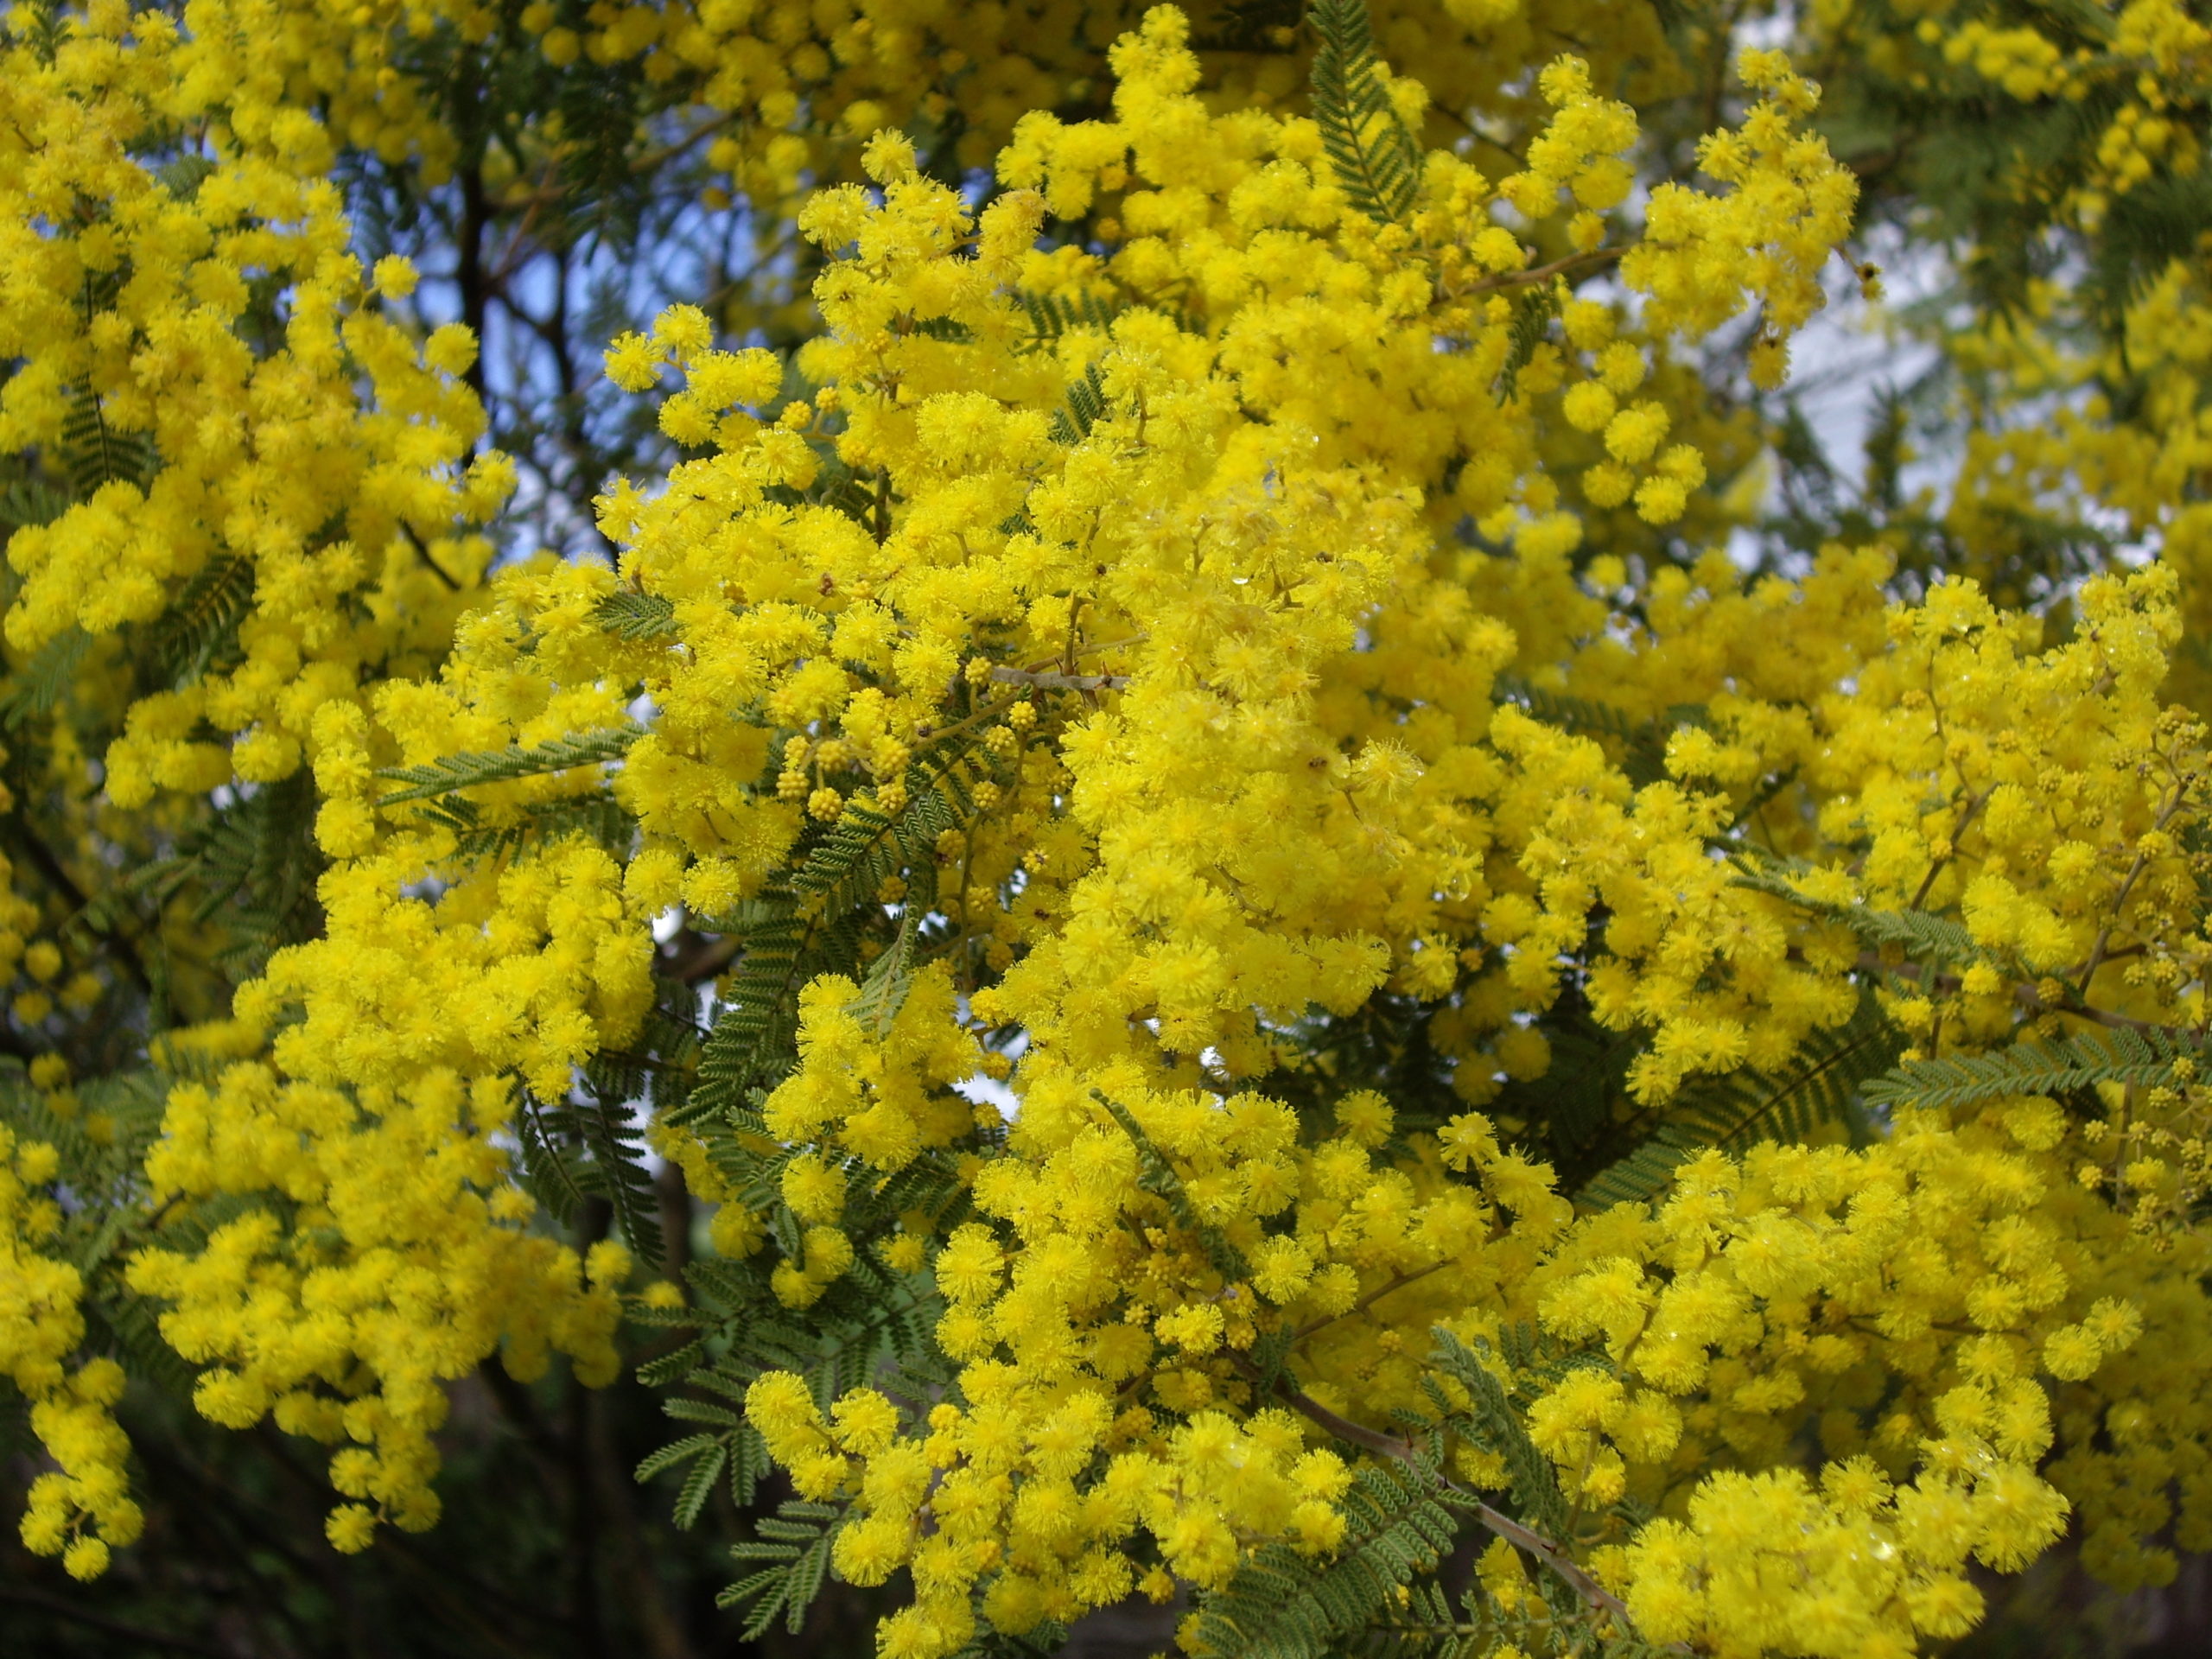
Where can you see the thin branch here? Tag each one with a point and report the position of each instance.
(1368, 1300)
(1504, 1526)
(424, 552)
(698, 956)
(62, 1608)
(2120, 899)
(2025, 995)
(1957, 830)
(1537, 273)
(1058, 682)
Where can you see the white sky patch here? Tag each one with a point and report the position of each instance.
(987, 1090)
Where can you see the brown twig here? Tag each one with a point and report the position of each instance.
(59, 1607)
(1957, 830)
(1368, 1300)
(1531, 277)
(1053, 681)
(2025, 995)
(1503, 1525)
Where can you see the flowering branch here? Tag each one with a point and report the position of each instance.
(1504, 1526)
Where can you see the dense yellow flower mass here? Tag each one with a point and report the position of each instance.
(1221, 637)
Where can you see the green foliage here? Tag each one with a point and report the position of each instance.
(1160, 1177)
(1915, 935)
(1372, 152)
(92, 453)
(100, 1130)
(870, 1326)
(1284, 1606)
(709, 1456)
(1053, 317)
(839, 487)
(38, 687)
(1638, 745)
(815, 925)
(200, 630)
(1572, 1107)
(1490, 1421)
(639, 617)
(453, 772)
(795, 1543)
(1387, 1045)
(1824, 1082)
(1084, 408)
(252, 863)
(1535, 308)
(2136, 1059)
(587, 1148)
(595, 817)
(883, 989)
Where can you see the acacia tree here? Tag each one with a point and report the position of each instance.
(1129, 787)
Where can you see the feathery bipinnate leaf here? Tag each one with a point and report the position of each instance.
(795, 1543)
(1920, 935)
(1491, 1422)
(591, 1149)
(1370, 150)
(2061, 1066)
(1283, 1605)
(810, 925)
(453, 772)
(638, 617)
(1822, 1082)
(1642, 743)
(1084, 408)
(200, 627)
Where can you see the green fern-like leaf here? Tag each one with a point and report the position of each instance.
(756, 1022)
(27, 502)
(1641, 744)
(1158, 1176)
(549, 1174)
(1921, 935)
(835, 486)
(639, 617)
(809, 926)
(454, 772)
(883, 991)
(618, 1154)
(590, 1149)
(596, 818)
(183, 177)
(254, 862)
(2143, 1059)
(1492, 1423)
(1572, 1104)
(131, 1327)
(1534, 308)
(699, 1485)
(1370, 150)
(1283, 1605)
(104, 1219)
(93, 454)
(795, 1542)
(1086, 406)
(201, 627)
(675, 1454)
(37, 688)
(1823, 1083)
(1052, 317)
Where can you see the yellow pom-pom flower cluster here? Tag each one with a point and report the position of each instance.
(82, 1506)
